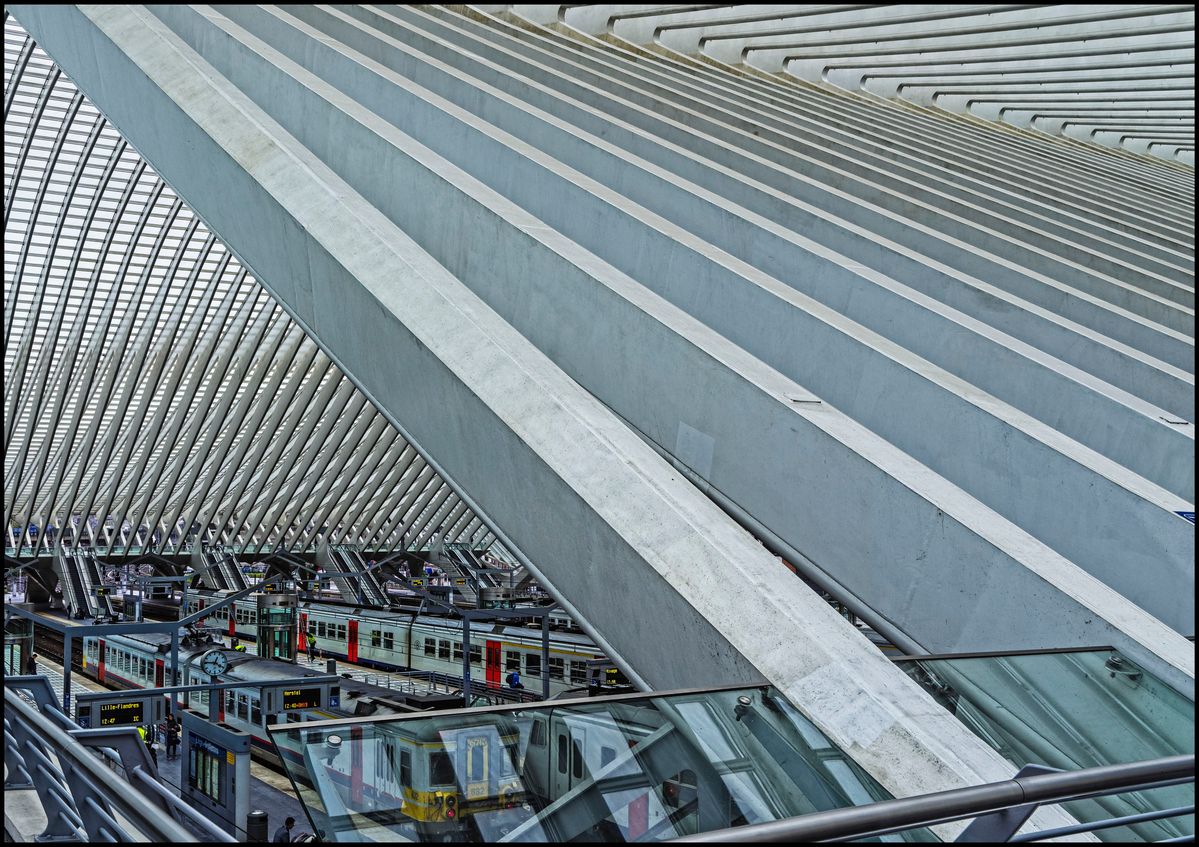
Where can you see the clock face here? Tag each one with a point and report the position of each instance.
(214, 663)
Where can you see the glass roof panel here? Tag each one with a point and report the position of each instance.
(1070, 710)
(625, 768)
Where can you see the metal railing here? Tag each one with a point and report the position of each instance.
(999, 809)
(77, 783)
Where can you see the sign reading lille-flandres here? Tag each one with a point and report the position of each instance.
(125, 713)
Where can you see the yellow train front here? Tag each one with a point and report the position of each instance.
(441, 782)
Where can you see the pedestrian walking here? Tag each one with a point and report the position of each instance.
(311, 648)
(31, 665)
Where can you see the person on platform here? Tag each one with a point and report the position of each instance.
(172, 738)
(514, 681)
(31, 665)
(283, 833)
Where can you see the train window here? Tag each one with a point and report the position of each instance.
(243, 707)
(556, 668)
(230, 702)
(476, 655)
(537, 734)
(578, 672)
(388, 640)
(405, 769)
(441, 769)
(320, 629)
(513, 661)
(457, 652)
(342, 633)
(576, 759)
(561, 753)
(376, 638)
(252, 615)
(532, 664)
(255, 711)
(607, 754)
(386, 762)
(475, 761)
(443, 649)
(430, 646)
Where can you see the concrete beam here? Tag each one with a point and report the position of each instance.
(1031, 30)
(740, 295)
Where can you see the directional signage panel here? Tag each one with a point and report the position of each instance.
(301, 698)
(124, 713)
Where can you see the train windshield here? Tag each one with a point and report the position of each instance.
(626, 768)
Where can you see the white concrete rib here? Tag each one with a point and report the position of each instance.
(929, 46)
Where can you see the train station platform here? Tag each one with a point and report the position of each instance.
(270, 791)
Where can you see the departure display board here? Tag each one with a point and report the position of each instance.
(125, 713)
(301, 698)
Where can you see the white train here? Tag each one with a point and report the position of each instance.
(389, 641)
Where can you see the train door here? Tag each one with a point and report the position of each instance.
(494, 677)
(160, 670)
(100, 662)
(231, 611)
(566, 758)
(352, 644)
(303, 640)
(475, 766)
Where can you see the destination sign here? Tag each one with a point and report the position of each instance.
(301, 698)
(127, 713)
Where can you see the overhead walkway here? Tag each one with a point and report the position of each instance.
(650, 322)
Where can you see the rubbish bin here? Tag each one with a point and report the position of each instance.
(256, 828)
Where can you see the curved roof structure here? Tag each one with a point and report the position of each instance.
(661, 320)
(151, 380)
(1118, 75)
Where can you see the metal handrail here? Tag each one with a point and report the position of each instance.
(143, 813)
(959, 803)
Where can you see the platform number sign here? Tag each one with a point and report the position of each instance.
(1190, 516)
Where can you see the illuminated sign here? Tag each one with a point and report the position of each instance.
(301, 698)
(128, 713)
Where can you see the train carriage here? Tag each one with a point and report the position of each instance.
(388, 641)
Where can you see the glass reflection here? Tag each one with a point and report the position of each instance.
(1072, 710)
(641, 768)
